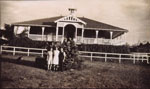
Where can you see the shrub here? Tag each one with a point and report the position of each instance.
(72, 60)
(141, 48)
(104, 48)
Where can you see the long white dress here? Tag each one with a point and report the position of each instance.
(50, 57)
(56, 57)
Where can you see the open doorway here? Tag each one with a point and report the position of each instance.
(69, 31)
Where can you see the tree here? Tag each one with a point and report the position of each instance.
(72, 60)
(9, 34)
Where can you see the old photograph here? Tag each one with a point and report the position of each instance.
(75, 44)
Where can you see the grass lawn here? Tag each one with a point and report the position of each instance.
(96, 74)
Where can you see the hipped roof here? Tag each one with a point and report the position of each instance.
(90, 24)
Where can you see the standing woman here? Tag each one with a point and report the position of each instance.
(56, 59)
(50, 59)
(62, 56)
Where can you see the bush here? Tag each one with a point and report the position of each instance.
(72, 60)
(141, 48)
(26, 42)
(104, 48)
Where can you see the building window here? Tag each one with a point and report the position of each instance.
(104, 34)
(35, 30)
(60, 31)
(49, 30)
(90, 33)
(79, 32)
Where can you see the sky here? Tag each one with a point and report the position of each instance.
(133, 15)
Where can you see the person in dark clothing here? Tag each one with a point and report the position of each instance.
(62, 56)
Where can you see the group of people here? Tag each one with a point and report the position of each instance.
(55, 58)
(56, 55)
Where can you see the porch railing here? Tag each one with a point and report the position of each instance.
(79, 39)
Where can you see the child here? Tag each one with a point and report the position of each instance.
(56, 59)
(50, 59)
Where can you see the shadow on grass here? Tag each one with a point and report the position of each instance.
(22, 62)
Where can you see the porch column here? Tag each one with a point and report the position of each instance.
(97, 36)
(56, 33)
(82, 34)
(76, 35)
(63, 31)
(120, 40)
(28, 28)
(125, 35)
(111, 34)
(43, 28)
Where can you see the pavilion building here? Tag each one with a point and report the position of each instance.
(81, 29)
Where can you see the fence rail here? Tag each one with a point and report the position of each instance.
(119, 56)
(23, 50)
(101, 55)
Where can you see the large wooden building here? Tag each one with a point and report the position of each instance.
(81, 29)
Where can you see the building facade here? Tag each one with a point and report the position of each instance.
(81, 29)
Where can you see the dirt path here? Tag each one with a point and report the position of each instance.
(91, 75)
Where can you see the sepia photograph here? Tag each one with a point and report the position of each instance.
(75, 44)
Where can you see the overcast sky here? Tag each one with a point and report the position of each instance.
(133, 15)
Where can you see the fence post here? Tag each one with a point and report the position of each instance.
(134, 58)
(42, 53)
(138, 57)
(105, 57)
(28, 52)
(147, 59)
(1, 50)
(119, 58)
(91, 56)
(142, 58)
(14, 51)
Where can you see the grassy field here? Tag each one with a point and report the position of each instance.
(96, 74)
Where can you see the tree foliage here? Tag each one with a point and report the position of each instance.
(104, 48)
(9, 34)
(72, 55)
(141, 47)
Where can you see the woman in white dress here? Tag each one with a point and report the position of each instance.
(56, 59)
(50, 59)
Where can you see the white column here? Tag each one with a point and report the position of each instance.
(120, 40)
(82, 34)
(125, 37)
(97, 36)
(56, 33)
(43, 28)
(28, 28)
(111, 35)
(76, 35)
(63, 31)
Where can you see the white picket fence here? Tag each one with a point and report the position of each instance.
(22, 50)
(118, 56)
(101, 55)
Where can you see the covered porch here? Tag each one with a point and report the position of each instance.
(80, 35)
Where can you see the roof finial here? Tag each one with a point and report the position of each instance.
(72, 10)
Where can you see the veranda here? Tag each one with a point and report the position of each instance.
(81, 29)
(78, 33)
